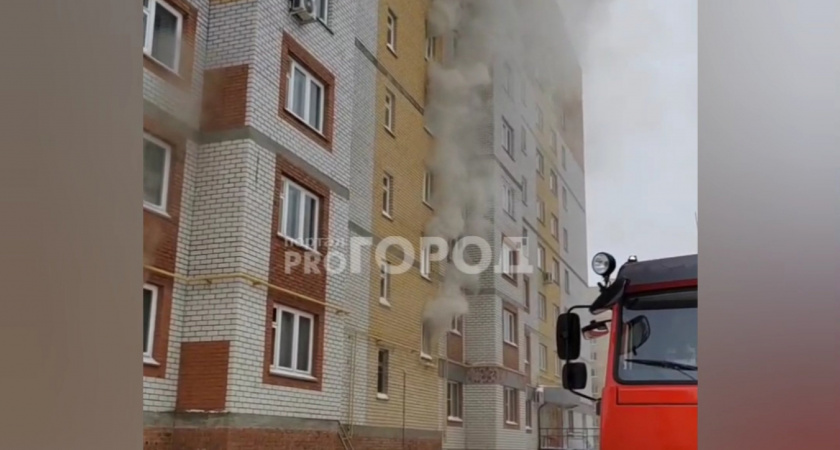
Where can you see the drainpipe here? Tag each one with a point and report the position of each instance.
(405, 399)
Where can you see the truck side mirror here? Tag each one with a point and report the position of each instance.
(568, 336)
(574, 376)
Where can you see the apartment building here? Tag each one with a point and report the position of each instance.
(271, 140)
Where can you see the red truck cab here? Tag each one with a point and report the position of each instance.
(649, 399)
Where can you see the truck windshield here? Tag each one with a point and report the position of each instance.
(658, 339)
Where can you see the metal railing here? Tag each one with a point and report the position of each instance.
(570, 439)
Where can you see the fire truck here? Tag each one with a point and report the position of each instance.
(649, 398)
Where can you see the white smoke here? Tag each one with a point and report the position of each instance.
(459, 114)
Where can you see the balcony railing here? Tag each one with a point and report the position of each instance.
(570, 439)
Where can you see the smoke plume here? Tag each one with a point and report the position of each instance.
(523, 33)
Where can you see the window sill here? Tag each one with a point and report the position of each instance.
(428, 205)
(426, 277)
(162, 66)
(286, 374)
(455, 419)
(512, 344)
(425, 356)
(384, 302)
(390, 130)
(303, 122)
(296, 244)
(455, 332)
(381, 396)
(391, 49)
(157, 210)
(508, 422)
(387, 216)
(149, 361)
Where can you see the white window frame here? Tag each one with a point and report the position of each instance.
(565, 239)
(555, 226)
(454, 413)
(540, 256)
(557, 366)
(508, 137)
(566, 281)
(322, 11)
(382, 369)
(304, 195)
(431, 47)
(457, 325)
(552, 182)
(509, 327)
(540, 163)
(541, 211)
(425, 263)
(150, 337)
(555, 270)
(511, 406)
(528, 418)
(391, 32)
(524, 191)
(425, 353)
(387, 195)
(556, 312)
(565, 199)
(542, 306)
(164, 190)
(539, 118)
(307, 104)
(275, 356)
(563, 158)
(150, 11)
(384, 283)
(543, 358)
(527, 359)
(509, 199)
(390, 110)
(428, 186)
(508, 255)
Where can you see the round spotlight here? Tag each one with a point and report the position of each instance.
(603, 264)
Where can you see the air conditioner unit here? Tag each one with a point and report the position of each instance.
(539, 396)
(304, 10)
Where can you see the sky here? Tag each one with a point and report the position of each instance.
(639, 63)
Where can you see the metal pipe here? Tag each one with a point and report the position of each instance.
(352, 383)
(254, 280)
(405, 400)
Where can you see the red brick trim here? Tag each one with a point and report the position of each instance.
(313, 285)
(292, 50)
(203, 376)
(225, 99)
(162, 321)
(182, 79)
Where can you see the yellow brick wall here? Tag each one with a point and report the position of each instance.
(403, 155)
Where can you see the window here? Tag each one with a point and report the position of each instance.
(391, 32)
(552, 182)
(554, 142)
(558, 366)
(511, 406)
(541, 211)
(509, 198)
(566, 281)
(542, 307)
(300, 215)
(387, 189)
(563, 158)
(162, 25)
(555, 270)
(528, 407)
(527, 349)
(540, 163)
(556, 312)
(508, 78)
(150, 301)
(571, 420)
(555, 225)
(431, 45)
(384, 283)
(322, 10)
(540, 257)
(507, 137)
(428, 185)
(539, 118)
(454, 399)
(156, 160)
(457, 326)
(565, 239)
(425, 342)
(382, 374)
(293, 332)
(543, 357)
(305, 99)
(565, 199)
(523, 141)
(390, 106)
(425, 264)
(508, 260)
(524, 191)
(526, 281)
(509, 327)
